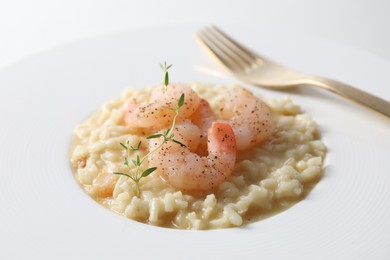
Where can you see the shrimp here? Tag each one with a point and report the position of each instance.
(103, 185)
(203, 117)
(152, 113)
(188, 134)
(250, 118)
(186, 170)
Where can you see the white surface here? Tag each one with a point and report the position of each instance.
(45, 215)
(28, 27)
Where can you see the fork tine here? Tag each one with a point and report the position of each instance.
(217, 52)
(239, 50)
(243, 62)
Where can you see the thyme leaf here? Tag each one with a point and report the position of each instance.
(124, 146)
(181, 144)
(180, 103)
(154, 136)
(120, 173)
(148, 171)
(136, 148)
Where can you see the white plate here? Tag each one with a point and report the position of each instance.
(45, 215)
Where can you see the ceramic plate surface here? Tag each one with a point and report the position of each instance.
(46, 215)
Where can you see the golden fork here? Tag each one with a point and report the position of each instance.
(257, 70)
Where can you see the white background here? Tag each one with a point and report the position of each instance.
(28, 27)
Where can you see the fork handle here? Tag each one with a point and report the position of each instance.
(359, 96)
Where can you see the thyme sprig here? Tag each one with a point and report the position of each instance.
(134, 168)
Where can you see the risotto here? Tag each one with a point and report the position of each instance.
(266, 179)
